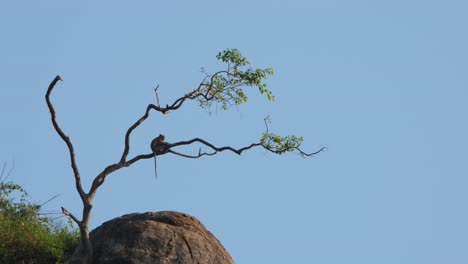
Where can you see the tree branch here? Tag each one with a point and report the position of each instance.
(237, 151)
(216, 149)
(65, 138)
(67, 213)
(311, 154)
(175, 105)
(135, 125)
(302, 153)
(200, 154)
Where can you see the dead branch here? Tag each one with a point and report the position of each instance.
(157, 96)
(203, 90)
(65, 138)
(216, 149)
(200, 154)
(302, 153)
(67, 213)
(237, 151)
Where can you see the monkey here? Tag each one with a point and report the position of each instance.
(158, 146)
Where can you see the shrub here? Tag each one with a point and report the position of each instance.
(28, 237)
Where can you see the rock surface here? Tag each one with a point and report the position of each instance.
(162, 238)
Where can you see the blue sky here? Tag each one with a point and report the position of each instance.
(382, 84)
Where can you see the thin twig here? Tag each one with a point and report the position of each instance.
(311, 154)
(157, 97)
(10, 171)
(50, 199)
(3, 170)
(200, 154)
(58, 217)
(267, 120)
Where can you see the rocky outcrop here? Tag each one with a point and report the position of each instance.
(162, 238)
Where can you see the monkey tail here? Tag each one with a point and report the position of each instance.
(155, 168)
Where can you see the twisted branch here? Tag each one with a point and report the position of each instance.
(302, 153)
(65, 138)
(216, 149)
(202, 90)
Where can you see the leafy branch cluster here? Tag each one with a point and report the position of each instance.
(15, 208)
(11, 208)
(279, 144)
(225, 87)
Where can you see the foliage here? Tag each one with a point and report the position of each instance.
(28, 237)
(11, 209)
(225, 87)
(279, 144)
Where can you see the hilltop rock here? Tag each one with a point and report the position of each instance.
(162, 238)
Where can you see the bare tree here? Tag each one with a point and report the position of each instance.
(224, 88)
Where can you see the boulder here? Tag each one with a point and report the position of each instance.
(160, 238)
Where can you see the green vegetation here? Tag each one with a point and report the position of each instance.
(28, 237)
(225, 87)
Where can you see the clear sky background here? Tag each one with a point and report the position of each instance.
(382, 84)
